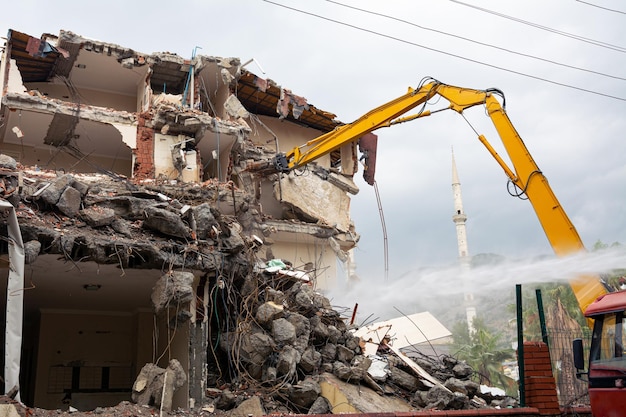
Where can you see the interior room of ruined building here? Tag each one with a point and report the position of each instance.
(74, 105)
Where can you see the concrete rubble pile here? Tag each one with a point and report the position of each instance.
(272, 339)
(293, 340)
(95, 218)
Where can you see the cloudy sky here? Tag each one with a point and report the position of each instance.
(561, 65)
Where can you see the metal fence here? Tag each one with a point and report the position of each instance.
(571, 390)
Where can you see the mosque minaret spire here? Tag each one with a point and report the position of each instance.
(459, 218)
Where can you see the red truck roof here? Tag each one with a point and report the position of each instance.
(607, 303)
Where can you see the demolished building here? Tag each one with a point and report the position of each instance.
(127, 174)
(147, 261)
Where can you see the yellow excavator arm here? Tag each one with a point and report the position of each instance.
(524, 173)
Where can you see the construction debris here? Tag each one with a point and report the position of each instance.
(270, 332)
(155, 386)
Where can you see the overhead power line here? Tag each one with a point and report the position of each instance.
(601, 7)
(546, 28)
(478, 42)
(444, 52)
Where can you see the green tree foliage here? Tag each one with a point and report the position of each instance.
(483, 350)
(616, 278)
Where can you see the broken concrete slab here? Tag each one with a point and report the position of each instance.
(404, 331)
(349, 398)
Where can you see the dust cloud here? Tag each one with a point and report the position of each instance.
(422, 289)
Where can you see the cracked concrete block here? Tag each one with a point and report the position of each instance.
(232, 242)
(342, 371)
(165, 222)
(96, 216)
(320, 406)
(275, 296)
(171, 289)
(7, 162)
(328, 352)
(205, 220)
(121, 227)
(52, 194)
(31, 251)
(283, 331)
(251, 407)
(156, 386)
(310, 360)
(69, 202)
(301, 323)
(344, 354)
(256, 346)
(226, 400)
(287, 362)
(267, 312)
(81, 187)
(301, 343)
(403, 379)
(304, 393)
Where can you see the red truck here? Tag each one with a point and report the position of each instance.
(607, 360)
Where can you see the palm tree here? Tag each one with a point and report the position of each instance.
(483, 351)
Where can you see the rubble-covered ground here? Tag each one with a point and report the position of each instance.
(272, 339)
(124, 409)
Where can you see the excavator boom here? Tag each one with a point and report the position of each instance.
(524, 173)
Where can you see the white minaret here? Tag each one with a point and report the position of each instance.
(459, 218)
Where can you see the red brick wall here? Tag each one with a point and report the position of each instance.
(539, 381)
(483, 412)
(144, 153)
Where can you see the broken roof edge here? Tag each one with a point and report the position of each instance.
(266, 97)
(279, 101)
(71, 37)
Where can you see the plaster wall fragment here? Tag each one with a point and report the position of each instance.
(15, 83)
(234, 107)
(317, 199)
(128, 132)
